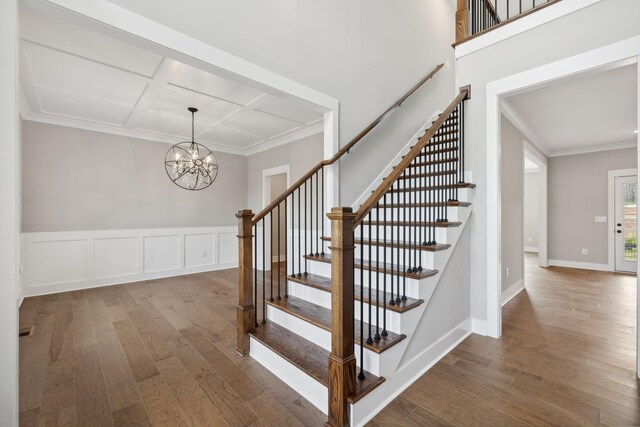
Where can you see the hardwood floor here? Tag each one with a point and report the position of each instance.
(566, 357)
(162, 353)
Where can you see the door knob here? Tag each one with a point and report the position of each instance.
(618, 231)
(619, 225)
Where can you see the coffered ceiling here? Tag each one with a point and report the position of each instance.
(76, 77)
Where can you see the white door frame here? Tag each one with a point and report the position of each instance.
(627, 50)
(532, 153)
(611, 238)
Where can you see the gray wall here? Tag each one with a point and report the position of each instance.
(603, 23)
(512, 165)
(363, 53)
(577, 193)
(300, 155)
(531, 209)
(81, 180)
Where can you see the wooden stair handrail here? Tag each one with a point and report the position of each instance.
(386, 183)
(344, 149)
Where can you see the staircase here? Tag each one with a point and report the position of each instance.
(335, 320)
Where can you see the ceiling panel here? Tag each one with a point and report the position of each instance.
(173, 100)
(54, 69)
(79, 107)
(287, 109)
(43, 29)
(589, 109)
(227, 136)
(201, 81)
(260, 123)
(168, 124)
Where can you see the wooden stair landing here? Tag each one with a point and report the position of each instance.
(308, 357)
(323, 283)
(321, 317)
(396, 270)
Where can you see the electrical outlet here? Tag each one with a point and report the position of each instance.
(204, 253)
(584, 251)
(507, 271)
(531, 239)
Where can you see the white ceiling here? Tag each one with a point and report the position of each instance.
(76, 77)
(588, 112)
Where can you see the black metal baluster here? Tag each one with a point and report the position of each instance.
(311, 214)
(520, 6)
(369, 338)
(377, 336)
(255, 273)
(264, 275)
(322, 215)
(361, 374)
(299, 236)
(306, 242)
(405, 263)
(462, 142)
(393, 251)
(279, 235)
(286, 250)
(293, 235)
(271, 255)
(384, 269)
(318, 217)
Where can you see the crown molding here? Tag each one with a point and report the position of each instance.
(532, 136)
(594, 148)
(285, 139)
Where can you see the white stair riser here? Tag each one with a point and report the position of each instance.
(427, 259)
(295, 378)
(463, 196)
(322, 337)
(424, 214)
(404, 234)
(412, 285)
(323, 299)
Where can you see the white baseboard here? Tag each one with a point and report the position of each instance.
(379, 398)
(55, 262)
(531, 249)
(479, 326)
(510, 293)
(579, 265)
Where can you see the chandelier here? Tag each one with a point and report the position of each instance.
(190, 165)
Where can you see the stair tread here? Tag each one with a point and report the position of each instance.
(440, 224)
(397, 270)
(404, 245)
(450, 203)
(321, 317)
(435, 187)
(308, 357)
(324, 284)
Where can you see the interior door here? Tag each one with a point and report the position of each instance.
(626, 223)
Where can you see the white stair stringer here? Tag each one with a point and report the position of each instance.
(391, 364)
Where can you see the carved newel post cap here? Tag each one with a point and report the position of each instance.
(341, 213)
(244, 212)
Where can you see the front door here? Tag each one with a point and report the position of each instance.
(626, 225)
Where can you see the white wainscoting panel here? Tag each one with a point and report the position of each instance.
(63, 261)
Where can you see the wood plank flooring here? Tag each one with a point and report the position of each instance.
(162, 353)
(566, 358)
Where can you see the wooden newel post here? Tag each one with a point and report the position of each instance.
(342, 361)
(461, 21)
(246, 310)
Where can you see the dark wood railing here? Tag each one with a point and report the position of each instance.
(399, 219)
(299, 211)
(476, 17)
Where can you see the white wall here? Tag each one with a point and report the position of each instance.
(76, 179)
(364, 53)
(63, 261)
(9, 213)
(601, 24)
(512, 165)
(531, 207)
(578, 191)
